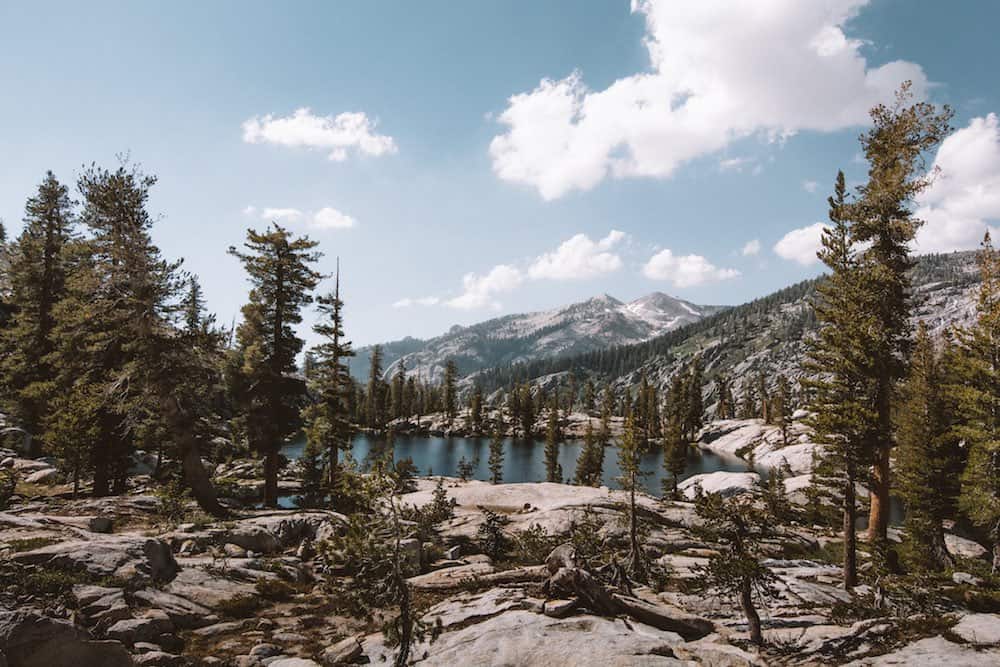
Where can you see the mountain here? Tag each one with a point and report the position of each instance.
(595, 324)
(766, 336)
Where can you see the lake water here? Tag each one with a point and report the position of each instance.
(524, 460)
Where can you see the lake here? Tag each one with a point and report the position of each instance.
(524, 460)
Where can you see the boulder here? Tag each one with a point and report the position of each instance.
(7, 462)
(28, 639)
(983, 629)
(966, 579)
(182, 612)
(726, 483)
(964, 548)
(127, 556)
(47, 476)
(294, 662)
(411, 550)
(146, 628)
(933, 652)
(343, 652)
(160, 659)
(100, 524)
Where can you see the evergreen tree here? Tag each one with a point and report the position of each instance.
(553, 470)
(695, 417)
(476, 408)
(922, 458)
(374, 408)
(724, 408)
(495, 460)
(588, 396)
(38, 267)
(527, 411)
(193, 308)
(895, 147)
(278, 266)
(675, 448)
(631, 474)
(743, 524)
(840, 410)
(311, 465)
(398, 391)
(590, 462)
(976, 393)
(450, 392)
(329, 419)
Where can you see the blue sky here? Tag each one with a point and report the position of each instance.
(690, 132)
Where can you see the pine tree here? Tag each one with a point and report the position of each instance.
(193, 308)
(895, 147)
(329, 421)
(590, 462)
(527, 411)
(311, 465)
(841, 415)
(724, 403)
(695, 417)
(38, 267)
(476, 408)
(450, 392)
(553, 470)
(922, 457)
(742, 523)
(976, 393)
(495, 461)
(588, 396)
(374, 407)
(278, 266)
(631, 473)
(397, 394)
(675, 448)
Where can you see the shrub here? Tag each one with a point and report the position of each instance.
(491, 537)
(274, 589)
(533, 545)
(243, 605)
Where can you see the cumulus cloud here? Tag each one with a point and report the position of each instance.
(337, 134)
(685, 270)
(330, 218)
(479, 291)
(964, 198)
(422, 301)
(719, 71)
(751, 248)
(579, 258)
(801, 245)
(810, 186)
(281, 214)
(323, 219)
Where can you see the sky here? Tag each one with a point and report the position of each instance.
(467, 160)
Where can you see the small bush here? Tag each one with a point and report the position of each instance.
(533, 545)
(173, 500)
(8, 483)
(243, 605)
(274, 589)
(31, 543)
(492, 540)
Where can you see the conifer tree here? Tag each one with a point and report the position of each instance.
(193, 308)
(742, 524)
(922, 458)
(450, 392)
(527, 410)
(553, 470)
(38, 267)
(374, 408)
(328, 421)
(514, 409)
(495, 461)
(841, 414)
(976, 393)
(895, 148)
(590, 462)
(675, 448)
(397, 393)
(588, 396)
(476, 408)
(631, 473)
(724, 408)
(695, 418)
(782, 408)
(278, 265)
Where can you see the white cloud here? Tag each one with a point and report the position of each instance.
(579, 258)
(422, 301)
(751, 248)
(965, 195)
(810, 186)
(324, 219)
(686, 270)
(337, 134)
(281, 214)
(719, 71)
(331, 218)
(801, 245)
(479, 291)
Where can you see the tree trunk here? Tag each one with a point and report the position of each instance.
(201, 484)
(100, 459)
(850, 535)
(996, 559)
(753, 619)
(636, 566)
(334, 457)
(405, 626)
(271, 478)
(878, 515)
